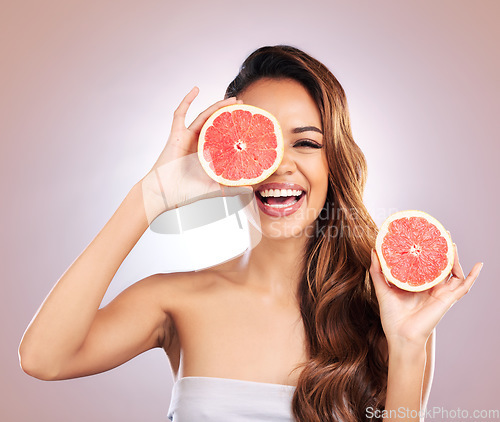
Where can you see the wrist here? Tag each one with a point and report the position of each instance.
(153, 197)
(406, 348)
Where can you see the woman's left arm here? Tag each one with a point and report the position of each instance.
(409, 320)
(430, 352)
(409, 380)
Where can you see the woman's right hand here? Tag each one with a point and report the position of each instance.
(177, 178)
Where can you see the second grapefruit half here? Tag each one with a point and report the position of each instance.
(415, 250)
(240, 145)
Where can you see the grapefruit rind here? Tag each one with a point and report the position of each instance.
(280, 149)
(384, 229)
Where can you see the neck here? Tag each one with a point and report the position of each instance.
(273, 266)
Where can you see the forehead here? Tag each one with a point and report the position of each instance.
(288, 100)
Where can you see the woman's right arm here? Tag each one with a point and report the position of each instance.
(69, 335)
(68, 327)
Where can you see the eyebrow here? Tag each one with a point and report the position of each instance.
(306, 129)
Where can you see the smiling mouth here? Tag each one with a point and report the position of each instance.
(280, 198)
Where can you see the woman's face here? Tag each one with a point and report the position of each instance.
(304, 168)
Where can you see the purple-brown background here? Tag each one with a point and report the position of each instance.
(87, 91)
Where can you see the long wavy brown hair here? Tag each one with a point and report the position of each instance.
(346, 371)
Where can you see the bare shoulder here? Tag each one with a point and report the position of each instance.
(175, 288)
(179, 293)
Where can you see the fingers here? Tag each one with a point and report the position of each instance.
(202, 118)
(183, 181)
(180, 112)
(469, 281)
(236, 190)
(375, 264)
(379, 280)
(456, 270)
(458, 282)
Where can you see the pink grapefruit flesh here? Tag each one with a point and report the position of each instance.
(415, 251)
(240, 145)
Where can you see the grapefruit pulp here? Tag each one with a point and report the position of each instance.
(240, 145)
(415, 250)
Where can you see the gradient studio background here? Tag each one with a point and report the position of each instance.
(87, 93)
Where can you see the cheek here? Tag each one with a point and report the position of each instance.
(319, 187)
(320, 181)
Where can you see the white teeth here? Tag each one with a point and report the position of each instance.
(280, 192)
(281, 205)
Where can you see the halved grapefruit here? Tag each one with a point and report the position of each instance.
(415, 250)
(240, 145)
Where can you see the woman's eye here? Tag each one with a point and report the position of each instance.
(306, 143)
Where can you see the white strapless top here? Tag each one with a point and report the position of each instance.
(228, 400)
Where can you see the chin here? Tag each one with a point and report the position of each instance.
(292, 227)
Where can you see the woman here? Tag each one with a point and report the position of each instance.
(295, 328)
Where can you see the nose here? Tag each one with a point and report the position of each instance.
(287, 165)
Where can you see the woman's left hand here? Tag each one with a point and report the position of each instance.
(410, 317)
